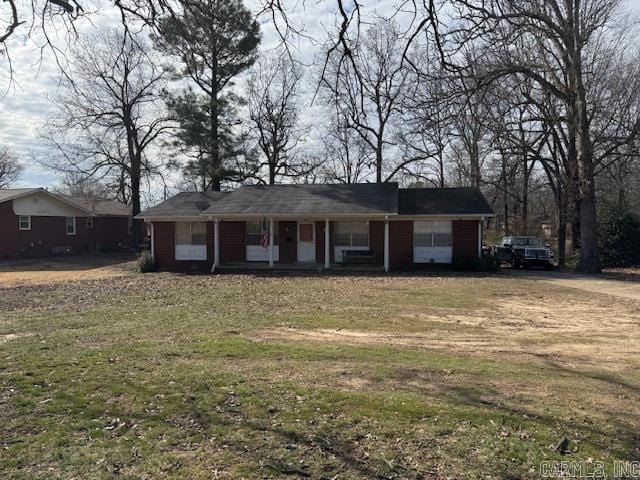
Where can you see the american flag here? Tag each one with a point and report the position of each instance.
(264, 234)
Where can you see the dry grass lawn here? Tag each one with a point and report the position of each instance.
(240, 376)
(62, 269)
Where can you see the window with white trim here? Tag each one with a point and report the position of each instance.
(191, 233)
(351, 234)
(24, 222)
(191, 241)
(254, 232)
(432, 234)
(71, 225)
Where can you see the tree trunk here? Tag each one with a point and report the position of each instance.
(215, 169)
(441, 164)
(562, 227)
(135, 162)
(214, 166)
(135, 204)
(525, 191)
(589, 259)
(273, 163)
(379, 162)
(272, 174)
(505, 196)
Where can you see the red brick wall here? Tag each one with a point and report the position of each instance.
(164, 249)
(288, 241)
(233, 239)
(9, 227)
(232, 243)
(49, 232)
(465, 238)
(400, 243)
(376, 240)
(108, 233)
(320, 243)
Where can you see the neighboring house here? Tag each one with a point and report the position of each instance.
(317, 224)
(35, 222)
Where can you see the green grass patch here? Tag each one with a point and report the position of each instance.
(168, 376)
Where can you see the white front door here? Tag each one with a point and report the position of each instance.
(306, 242)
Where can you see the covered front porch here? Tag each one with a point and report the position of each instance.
(311, 244)
(232, 267)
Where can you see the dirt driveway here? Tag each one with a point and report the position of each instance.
(596, 284)
(45, 271)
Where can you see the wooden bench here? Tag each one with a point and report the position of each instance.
(358, 256)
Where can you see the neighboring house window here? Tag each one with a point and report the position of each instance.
(24, 222)
(254, 232)
(89, 222)
(351, 234)
(432, 234)
(71, 225)
(191, 241)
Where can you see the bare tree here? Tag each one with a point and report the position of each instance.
(109, 118)
(369, 90)
(274, 111)
(428, 120)
(555, 35)
(10, 167)
(347, 158)
(82, 186)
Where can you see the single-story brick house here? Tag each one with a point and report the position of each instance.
(35, 223)
(316, 224)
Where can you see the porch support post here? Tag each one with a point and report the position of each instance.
(386, 244)
(327, 247)
(153, 242)
(216, 245)
(271, 242)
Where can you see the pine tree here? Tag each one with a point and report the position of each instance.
(215, 40)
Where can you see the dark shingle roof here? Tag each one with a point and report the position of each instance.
(186, 204)
(100, 206)
(315, 199)
(442, 201)
(325, 199)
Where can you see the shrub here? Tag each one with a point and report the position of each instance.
(619, 237)
(146, 263)
(486, 263)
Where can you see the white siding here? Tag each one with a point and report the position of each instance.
(432, 242)
(41, 204)
(432, 254)
(255, 253)
(191, 252)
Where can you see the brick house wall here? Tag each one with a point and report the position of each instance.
(400, 244)
(233, 239)
(108, 233)
(320, 243)
(288, 241)
(376, 240)
(233, 243)
(164, 234)
(49, 233)
(464, 235)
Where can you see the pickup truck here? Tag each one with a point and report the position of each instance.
(523, 251)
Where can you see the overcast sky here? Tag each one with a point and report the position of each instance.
(26, 105)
